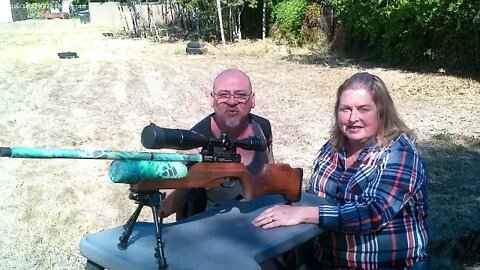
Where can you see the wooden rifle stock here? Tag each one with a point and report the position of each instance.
(275, 178)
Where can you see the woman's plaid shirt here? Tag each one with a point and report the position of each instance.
(380, 219)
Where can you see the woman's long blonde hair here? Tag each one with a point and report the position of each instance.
(390, 124)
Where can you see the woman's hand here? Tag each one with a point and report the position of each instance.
(286, 215)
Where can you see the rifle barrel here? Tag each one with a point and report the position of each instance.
(27, 152)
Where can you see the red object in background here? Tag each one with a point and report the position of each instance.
(52, 15)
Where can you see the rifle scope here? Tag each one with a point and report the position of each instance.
(155, 137)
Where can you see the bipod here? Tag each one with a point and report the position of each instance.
(158, 221)
(152, 199)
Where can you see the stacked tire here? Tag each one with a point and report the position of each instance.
(194, 47)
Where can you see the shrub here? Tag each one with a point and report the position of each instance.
(288, 17)
(316, 28)
(36, 10)
(416, 33)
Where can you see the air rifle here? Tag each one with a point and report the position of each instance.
(149, 172)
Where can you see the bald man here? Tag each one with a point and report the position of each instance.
(232, 99)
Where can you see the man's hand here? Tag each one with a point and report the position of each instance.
(171, 204)
(173, 197)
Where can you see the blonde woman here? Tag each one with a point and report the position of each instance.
(372, 171)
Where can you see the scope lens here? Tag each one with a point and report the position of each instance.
(154, 137)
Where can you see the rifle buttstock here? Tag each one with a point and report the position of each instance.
(275, 178)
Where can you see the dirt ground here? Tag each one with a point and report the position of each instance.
(104, 98)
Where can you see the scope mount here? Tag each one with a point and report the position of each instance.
(228, 153)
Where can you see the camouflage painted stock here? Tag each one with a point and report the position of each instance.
(134, 171)
(127, 167)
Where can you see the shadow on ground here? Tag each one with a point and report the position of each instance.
(453, 166)
(329, 60)
(366, 62)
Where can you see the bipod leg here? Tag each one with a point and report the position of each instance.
(155, 200)
(131, 221)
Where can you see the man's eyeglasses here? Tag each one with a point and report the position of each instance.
(223, 97)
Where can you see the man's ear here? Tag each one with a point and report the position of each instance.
(211, 99)
(253, 99)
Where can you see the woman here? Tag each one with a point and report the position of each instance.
(372, 170)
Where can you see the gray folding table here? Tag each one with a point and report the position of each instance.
(220, 238)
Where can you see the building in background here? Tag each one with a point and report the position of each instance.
(19, 10)
(5, 11)
(12, 10)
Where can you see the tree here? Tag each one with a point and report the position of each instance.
(219, 10)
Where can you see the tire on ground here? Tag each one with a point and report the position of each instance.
(67, 55)
(194, 44)
(195, 50)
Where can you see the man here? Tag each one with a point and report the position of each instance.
(232, 99)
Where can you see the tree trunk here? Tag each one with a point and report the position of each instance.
(173, 19)
(181, 12)
(165, 19)
(152, 22)
(197, 23)
(135, 18)
(231, 23)
(219, 11)
(167, 12)
(164, 15)
(239, 23)
(126, 29)
(264, 19)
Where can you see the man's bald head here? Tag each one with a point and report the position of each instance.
(232, 76)
(232, 99)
